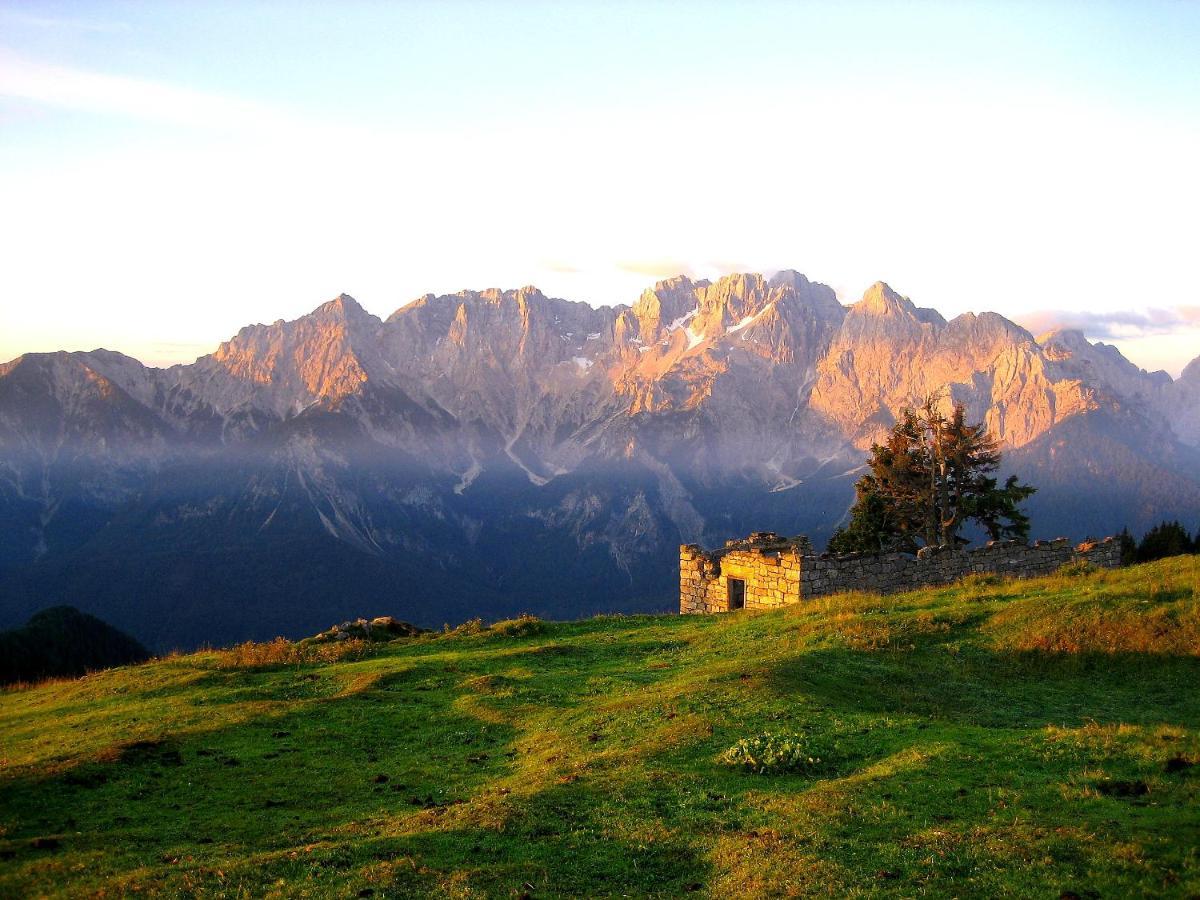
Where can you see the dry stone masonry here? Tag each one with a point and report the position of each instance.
(766, 570)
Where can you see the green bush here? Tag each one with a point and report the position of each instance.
(774, 754)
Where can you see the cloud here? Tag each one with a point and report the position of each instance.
(656, 268)
(561, 267)
(1115, 325)
(77, 89)
(63, 24)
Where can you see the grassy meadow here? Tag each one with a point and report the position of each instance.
(1030, 738)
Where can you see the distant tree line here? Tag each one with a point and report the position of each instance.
(1163, 540)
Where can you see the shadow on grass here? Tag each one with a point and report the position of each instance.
(300, 764)
(561, 841)
(974, 686)
(393, 751)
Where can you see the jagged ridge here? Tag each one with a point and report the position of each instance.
(461, 424)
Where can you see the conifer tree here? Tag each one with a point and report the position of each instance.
(930, 478)
(1163, 540)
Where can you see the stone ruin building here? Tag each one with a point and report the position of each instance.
(765, 570)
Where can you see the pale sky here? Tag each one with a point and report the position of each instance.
(171, 172)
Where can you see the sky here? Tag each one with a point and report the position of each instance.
(170, 172)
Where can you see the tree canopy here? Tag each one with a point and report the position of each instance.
(932, 476)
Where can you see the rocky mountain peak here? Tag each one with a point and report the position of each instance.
(676, 282)
(342, 309)
(813, 296)
(500, 296)
(663, 307)
(1191, 372)
(1101, 366)
(1062, 342)
(733, 297)
(880, 300)
(287, 365)
(790, 278)
(507, 419)
(887, 319)
(342, 301)
(984, 329)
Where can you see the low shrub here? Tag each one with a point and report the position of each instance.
(523, 626)
(775, 754)
(471, 626)
(1076, 569)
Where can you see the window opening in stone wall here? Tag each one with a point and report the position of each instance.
(737, 593)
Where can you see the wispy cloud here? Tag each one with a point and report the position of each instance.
(61, 23)
(1115, 325)
(561, 267)
(656, 268)
(95, 92)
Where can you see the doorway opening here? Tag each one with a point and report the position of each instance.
(737, 593)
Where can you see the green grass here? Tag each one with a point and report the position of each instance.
(990, 738)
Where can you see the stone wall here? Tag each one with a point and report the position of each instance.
(769, 566)
(777, 571)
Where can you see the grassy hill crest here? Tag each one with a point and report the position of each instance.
(1031, 737)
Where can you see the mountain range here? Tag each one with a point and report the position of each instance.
(489, 453)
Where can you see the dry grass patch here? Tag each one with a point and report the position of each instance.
(282, 652)
(764, 863)
(1095, 627)
(523, 626)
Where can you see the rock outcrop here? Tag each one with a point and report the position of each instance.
(381, 628)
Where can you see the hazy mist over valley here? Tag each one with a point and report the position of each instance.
(495, 452)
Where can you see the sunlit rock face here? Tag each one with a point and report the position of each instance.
(503, 451)
(890, 354)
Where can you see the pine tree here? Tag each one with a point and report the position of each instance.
(931, 477)
(1163, 540)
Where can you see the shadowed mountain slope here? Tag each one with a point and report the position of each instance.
(499, 451)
